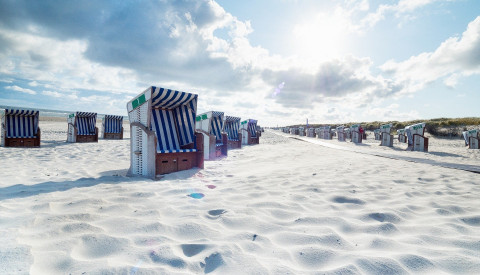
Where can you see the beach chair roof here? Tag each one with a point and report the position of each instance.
(85, 114)
(20, 112)
(232, 119)
(112, 117)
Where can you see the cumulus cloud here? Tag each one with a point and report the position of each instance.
(333, 79)
(20, 89)
(454, 57)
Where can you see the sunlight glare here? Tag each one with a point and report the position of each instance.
(322, 38)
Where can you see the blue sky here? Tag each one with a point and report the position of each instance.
(277, 61)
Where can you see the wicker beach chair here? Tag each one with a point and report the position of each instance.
(356, 135)
(311, 132)
(215, 142)
(249, 132)
(402, 137)
(20, 128)
(472, 138)
(377, 134)
(82, 127)
(341, 133)
(385, 136)
(163, 138)
(112, 127)
(232, 128)
(416, 138)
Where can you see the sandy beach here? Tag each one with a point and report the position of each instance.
(285, 206)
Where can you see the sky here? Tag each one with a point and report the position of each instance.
(278, 61)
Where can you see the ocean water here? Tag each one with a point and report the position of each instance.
(48, 112)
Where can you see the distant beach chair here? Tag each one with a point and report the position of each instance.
(162, 129)
(294, 131)
(472, 138)
(377, 134)
(112, 127)
(348, 134)
(416, 139)
(356, 135)
(385, 136)
(249, 132)
(232, 128)
(301, 131)
(324, 132)
(215, 142)
(402, 137)
(341, 133)
(311, 132)
(20, 128)
(82, 127)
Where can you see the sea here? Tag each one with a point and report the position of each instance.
(48, 112)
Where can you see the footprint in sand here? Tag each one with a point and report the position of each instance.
(211, 186)
(196, 195)
(216, 212)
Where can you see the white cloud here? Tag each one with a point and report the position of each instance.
(20, 89)
(455, 57)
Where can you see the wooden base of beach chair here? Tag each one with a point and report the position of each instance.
(22, 142)
(173, 162)
(253, 140)
(87, 138)
(420, 143)
(218, 151)
(113, 135)
(235, 144)
(402, 138)
(473, 143)
(386, 140)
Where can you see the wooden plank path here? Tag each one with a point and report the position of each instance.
(457, 166)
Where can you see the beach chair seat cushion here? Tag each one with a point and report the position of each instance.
(164, 125)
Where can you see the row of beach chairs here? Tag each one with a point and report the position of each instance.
(413, 134)
(167, 135)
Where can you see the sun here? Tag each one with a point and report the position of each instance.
(322, 38)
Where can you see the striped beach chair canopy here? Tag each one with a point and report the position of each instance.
(173, 119)
(113, 124)
(21, 123)
(216, 125)
(85, 123)
(252, 127)
(232, 126)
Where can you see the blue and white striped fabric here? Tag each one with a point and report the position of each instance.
(173, 119)
(252, 127)
(216, 125)
(21, 123)
(85, 123)
(113, 124)
(232, 126)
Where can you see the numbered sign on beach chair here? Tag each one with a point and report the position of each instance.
(377, 134)
(82, 127)
(301, 131)
(416, 139)
(402, 137)
(311, 132)
(249, 132)
(162, 130)
(215, 142)
(356, 135)
(341, 133)
(20, 128)
(385, 135)
(232, 128)
(471, 138)
(112, 127)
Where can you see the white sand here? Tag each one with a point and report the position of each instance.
(282, 207)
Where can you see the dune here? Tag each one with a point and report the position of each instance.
(286, 206)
